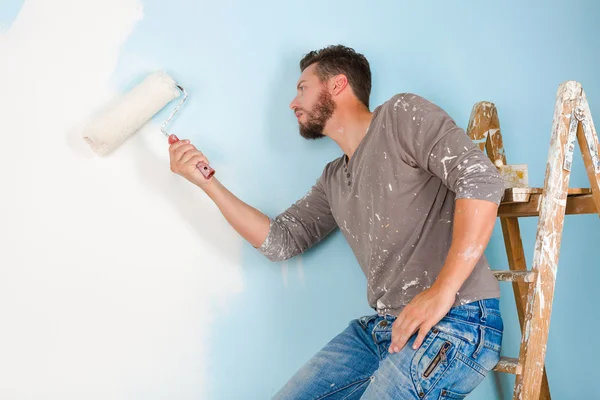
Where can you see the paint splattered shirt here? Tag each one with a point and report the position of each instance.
(394, 202)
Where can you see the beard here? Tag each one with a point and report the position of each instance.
(318, 117)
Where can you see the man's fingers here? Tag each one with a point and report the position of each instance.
(397, 331)
(187, 156)
(399, 321)
(179, 152)
(178, 144)
(174, 149)
(421, 336)
(198, 158)
(404, 332)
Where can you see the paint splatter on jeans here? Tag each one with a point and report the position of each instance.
(454, 358)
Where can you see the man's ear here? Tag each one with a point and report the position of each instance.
(340, 82)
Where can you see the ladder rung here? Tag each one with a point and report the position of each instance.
(526, 202)
(522, 195)
(515, 276)
(508, 365)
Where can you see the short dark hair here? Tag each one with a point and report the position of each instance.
(338, 59)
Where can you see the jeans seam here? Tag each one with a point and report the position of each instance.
(356, 388)
(483, 317)
(445, 331)
(497, 348)
(450, 395)
(360, 381)
(385, 350)
(481, 342)
(368, 318)
(474, 365)
(473, 324)
(474, 312)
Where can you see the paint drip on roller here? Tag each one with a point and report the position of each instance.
(109, 129)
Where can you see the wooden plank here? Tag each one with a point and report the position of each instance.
(514, 175)
(515, 276)
(578, 191)
(479, 123)
(516, 261)
(582, 204)
(547, 248)
(517, 195)
(532, 190)
(584, 146)
(517, 264)
(510, 227)
(508, 365)
(484, 129)
(494, 145)
(521, 195)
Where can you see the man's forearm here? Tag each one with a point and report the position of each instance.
(250, 223)
(473, 224)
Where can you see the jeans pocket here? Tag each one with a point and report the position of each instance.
(364, 320)
(482, 344)
(432, 359)
(487, 359)
(448, 395)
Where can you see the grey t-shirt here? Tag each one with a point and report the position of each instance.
(394, 203)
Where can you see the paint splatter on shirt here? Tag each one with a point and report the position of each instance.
(394, 203)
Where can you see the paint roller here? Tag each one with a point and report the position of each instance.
(109, 129)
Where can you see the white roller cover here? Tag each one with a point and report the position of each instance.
(113, 126)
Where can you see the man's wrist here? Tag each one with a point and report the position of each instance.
(444, 287)
(205, 185)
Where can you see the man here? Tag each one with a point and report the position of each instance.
(417, 202)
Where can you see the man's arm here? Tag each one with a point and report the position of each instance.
(473, 225)
(434, 143)
(250, 223)
(301, 226)
(292, 232)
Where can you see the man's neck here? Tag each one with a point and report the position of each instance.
(347, 127)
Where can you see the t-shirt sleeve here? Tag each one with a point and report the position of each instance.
(431, 140)
(301, 226)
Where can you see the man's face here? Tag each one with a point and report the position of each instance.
(313, 105)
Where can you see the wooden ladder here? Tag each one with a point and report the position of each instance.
(534, 288)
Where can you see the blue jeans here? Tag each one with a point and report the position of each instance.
(454, 358)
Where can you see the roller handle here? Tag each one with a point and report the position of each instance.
(203, 167)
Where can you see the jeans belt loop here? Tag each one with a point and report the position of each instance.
(483, 309)
(481, 340)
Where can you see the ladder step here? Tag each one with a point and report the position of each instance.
(508, 365)
(515, 276)
(522, 195)
(526, 202)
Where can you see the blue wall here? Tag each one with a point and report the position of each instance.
(8, 12)
(239, 61)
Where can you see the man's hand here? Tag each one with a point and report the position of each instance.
(184, 161)
(424, 311)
